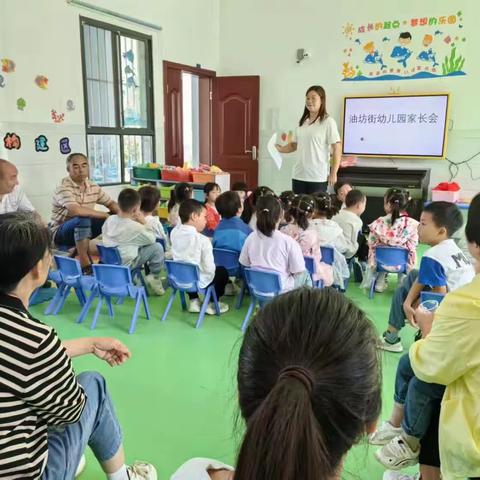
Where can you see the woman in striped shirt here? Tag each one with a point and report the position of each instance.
(48, 415)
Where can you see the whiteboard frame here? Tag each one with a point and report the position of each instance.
(393, 156)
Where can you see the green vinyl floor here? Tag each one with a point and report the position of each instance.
(176, 397)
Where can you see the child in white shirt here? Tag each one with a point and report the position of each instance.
(349, 219)
(136, 242)
(189, 245)
(330, 235)
(150, 198)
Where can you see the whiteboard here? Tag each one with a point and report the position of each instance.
(397, 126)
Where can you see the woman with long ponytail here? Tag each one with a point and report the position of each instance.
(308, 386)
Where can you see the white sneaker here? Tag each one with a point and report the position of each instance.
(81, 466)
(397, 454)
(195, 305)
(155, 284)
(391, 475)
(384, 434)
(223, 307)
(396, 347)
(382, 282)
(141, 471)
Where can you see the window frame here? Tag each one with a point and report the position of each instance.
(120, 130)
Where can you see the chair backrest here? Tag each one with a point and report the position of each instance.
(109, 255)
(182, 275)
(310, 265)
(69, 269)
(391, 257)
(113, 279)
(228, 259)
(328, 255)
(424, 296)
(263, 284)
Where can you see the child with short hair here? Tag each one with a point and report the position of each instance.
(300, 212)
(349, 220)
(150, 199)
(189, 245)
(212, 191)
(135, 240)
(330, 235)
(395, 229)
(249, 214)
(443, 268)
(341, 189)
(182, 191)
(241, 189)
(270, 249)
(231, 232)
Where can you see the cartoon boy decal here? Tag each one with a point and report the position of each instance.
(372, 55)
(427, 55)
(401, 53)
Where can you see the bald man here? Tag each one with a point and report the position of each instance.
(12, 197)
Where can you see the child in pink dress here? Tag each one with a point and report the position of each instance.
(396, 229)
(297, 218)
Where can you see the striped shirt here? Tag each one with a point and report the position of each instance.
(68, 192)
(38, 390)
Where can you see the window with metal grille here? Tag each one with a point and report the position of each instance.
(117, 80)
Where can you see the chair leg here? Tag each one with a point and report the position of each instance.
(81, 296)
(372, 287)
(249, 313)
(55, 300)
(97, 312)
(205, 303)
(241, 295)
(86, 307)
(63, 297)
(215, 302)
(135, 312)
(183, 300)
(145, 305)
(169, 304)
(108, 301)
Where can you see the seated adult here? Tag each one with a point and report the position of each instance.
(12, 197)
(308, 387)
(48, 415)
(74, 219)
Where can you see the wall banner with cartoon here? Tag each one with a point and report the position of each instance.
(404, 49)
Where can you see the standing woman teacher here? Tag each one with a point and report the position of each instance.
(316, 135)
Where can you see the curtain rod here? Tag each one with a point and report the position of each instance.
(95, 8)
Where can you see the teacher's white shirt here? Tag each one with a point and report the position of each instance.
(313, 150)
(15, 201)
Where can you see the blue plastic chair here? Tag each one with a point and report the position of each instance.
(169, 229)
(310, 266)
(70, 275)
(424, 296)
(162, 242)
(115, 281)
(264, 286)
(391, 260)
(328, 255)
(111, 256)
(229, 260)
(184, 278)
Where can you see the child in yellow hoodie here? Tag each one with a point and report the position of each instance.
(449, 355)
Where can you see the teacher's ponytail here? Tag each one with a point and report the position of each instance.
(322, 113)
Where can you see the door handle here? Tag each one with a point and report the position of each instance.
(253, 151)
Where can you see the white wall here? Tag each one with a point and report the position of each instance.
(261, 38)
(43, 37)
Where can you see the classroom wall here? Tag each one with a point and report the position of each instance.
(261, 38)
(43, 38)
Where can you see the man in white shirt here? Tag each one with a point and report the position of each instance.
(12, 197)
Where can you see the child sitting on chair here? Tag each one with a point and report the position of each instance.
(212, 191)
(267, 248)
(395, 229)
(182, 191)
(443, 268)
(150, 198)
(135, 240)
(189, 245)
